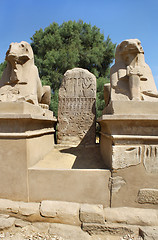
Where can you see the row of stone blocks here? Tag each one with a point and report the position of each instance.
(93, 219)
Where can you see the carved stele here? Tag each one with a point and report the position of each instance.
(20, 80)
(76, 111)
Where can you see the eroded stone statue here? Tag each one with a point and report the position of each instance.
(20, 80)
(131, 77)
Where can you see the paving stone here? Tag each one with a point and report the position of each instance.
(21, 223)
(29, 210)
(68, 232)
(149, 233)
(109, 228)
(132, 216)
(91, 213)
(8, 206)
(6, 222)
(61, 212)
(42, 226)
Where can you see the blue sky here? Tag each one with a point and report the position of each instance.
(121, 19)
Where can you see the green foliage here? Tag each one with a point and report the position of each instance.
(54, 102)
(58, 48)
(2, 67)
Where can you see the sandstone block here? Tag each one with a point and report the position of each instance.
(20, 223)
(8, 206)
(125, 156)
(61, 212)
(6, 222)
(42, 226)
(148, 195)
(113, 229)
(68, 232)
(115, 183)
(28, 209)
(132, 216)
(91, 213)
(149, 233)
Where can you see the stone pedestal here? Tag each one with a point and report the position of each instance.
(129, 147)
(26, 136)
(126, 140)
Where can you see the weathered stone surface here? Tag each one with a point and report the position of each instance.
(23, 210)
(125, 156)
(149, 233)
(20, 223)
(76, 111)
(79, 185)
(148, 195)
(132, 216)
(61, 212)
(115, 183)
(131, 77)
(91, 213)
(150, 158)
(20, 80)
(42, 226)
(68, 232)
(29, 209)
(115, 229)
(6, 222)
(8, 206)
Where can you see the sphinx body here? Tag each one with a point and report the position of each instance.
(130, 77)
(20, 80)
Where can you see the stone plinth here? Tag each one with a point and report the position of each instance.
(128, 140)
(72, 185)
(26, 136)
(129, 147)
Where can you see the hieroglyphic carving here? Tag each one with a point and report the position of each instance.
(125, 156)
(76, 110)
(150, 158)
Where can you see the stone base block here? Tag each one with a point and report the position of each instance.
(26, 136)
(130, 194)
(109, 229)
(126, 140)
(131, 107)
(148, 233)
(72, 185)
